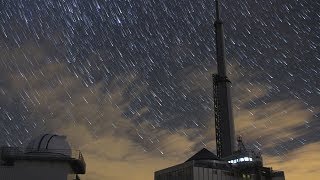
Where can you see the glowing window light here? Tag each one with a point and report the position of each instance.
(250, 159)
(246, 159)
(241, 159)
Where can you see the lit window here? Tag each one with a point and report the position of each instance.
(250, 159)
(241, 159)
(246, 159)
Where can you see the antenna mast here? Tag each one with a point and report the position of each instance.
(225, 139)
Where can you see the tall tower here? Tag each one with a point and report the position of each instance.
(225, 138)
(228, 164)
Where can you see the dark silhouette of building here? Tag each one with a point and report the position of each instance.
(229, 163)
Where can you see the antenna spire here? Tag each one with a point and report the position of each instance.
(218, 10)
(220, 44)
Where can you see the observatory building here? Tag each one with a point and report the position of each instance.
(205, 165)
(230, 163)
(47, 157)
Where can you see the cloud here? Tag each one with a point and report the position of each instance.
(94, 122)
(302, 163)
(256, 115)
(278, 118)
(111, 153)
(93, 116)
(118, 157)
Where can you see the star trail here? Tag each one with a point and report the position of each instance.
(152, 60)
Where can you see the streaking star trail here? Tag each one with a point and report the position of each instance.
(140, 71)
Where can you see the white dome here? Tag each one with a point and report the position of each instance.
(49, 143)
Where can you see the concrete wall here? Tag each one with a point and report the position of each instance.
(278, 178)
(35, 170)
(188, 171)
(180, 173)
(200, 173)
(195, 173)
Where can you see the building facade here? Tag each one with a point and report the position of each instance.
(204, 165)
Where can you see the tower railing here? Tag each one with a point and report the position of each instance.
(217, 80)
(217, 115)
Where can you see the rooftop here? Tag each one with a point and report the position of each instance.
(203, 154)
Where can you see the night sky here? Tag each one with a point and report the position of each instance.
(129, 81)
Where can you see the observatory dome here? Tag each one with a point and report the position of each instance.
(49, 143)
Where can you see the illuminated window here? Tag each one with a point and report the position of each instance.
(246, 177)
(250, 159)
(241, 159)
(246, 159)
